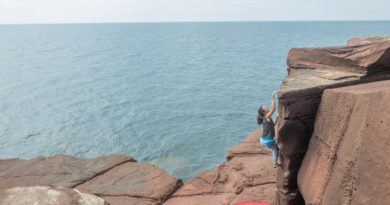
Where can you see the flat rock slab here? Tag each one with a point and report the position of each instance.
(348, 156)
(57, 171)
(247, 176)
(133, 179)
(44, 195)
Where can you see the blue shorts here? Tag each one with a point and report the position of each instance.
(267, 142)
(271, 143)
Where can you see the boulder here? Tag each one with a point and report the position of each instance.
(247, 176)
(347, 161)
(310, 72)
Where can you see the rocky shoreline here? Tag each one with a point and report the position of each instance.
(333, 137)
(117, 180)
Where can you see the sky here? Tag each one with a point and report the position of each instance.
(90, 11)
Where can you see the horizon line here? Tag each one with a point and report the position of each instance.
(233, 21)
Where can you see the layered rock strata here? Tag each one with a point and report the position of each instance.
(247, 176)
(116, 179)
(310, 72)
(348, 157)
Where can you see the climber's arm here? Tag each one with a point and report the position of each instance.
(271, 112)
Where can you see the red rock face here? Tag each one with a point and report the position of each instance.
(247, 176)
(348, 158)
(311, 71)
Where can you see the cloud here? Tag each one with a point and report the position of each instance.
(62, 11)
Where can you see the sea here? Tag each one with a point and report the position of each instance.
(176, 95)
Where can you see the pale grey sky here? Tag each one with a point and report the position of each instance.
(82, 11)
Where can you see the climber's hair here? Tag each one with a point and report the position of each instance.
(260, 116)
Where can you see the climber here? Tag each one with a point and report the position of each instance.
(268, 137)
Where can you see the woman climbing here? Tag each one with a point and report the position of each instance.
(268, 137)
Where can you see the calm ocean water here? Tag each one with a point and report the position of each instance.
(177, 95)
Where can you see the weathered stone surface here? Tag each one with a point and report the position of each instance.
(133, 179)
(44, 195)
(367, 40)
(261, 193)
(60, 170)
(348, 158)
(216, 198)
(310, 71)
(126, 200)
(236, 180)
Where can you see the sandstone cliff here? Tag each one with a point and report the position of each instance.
(347, 161)
(310, 72)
